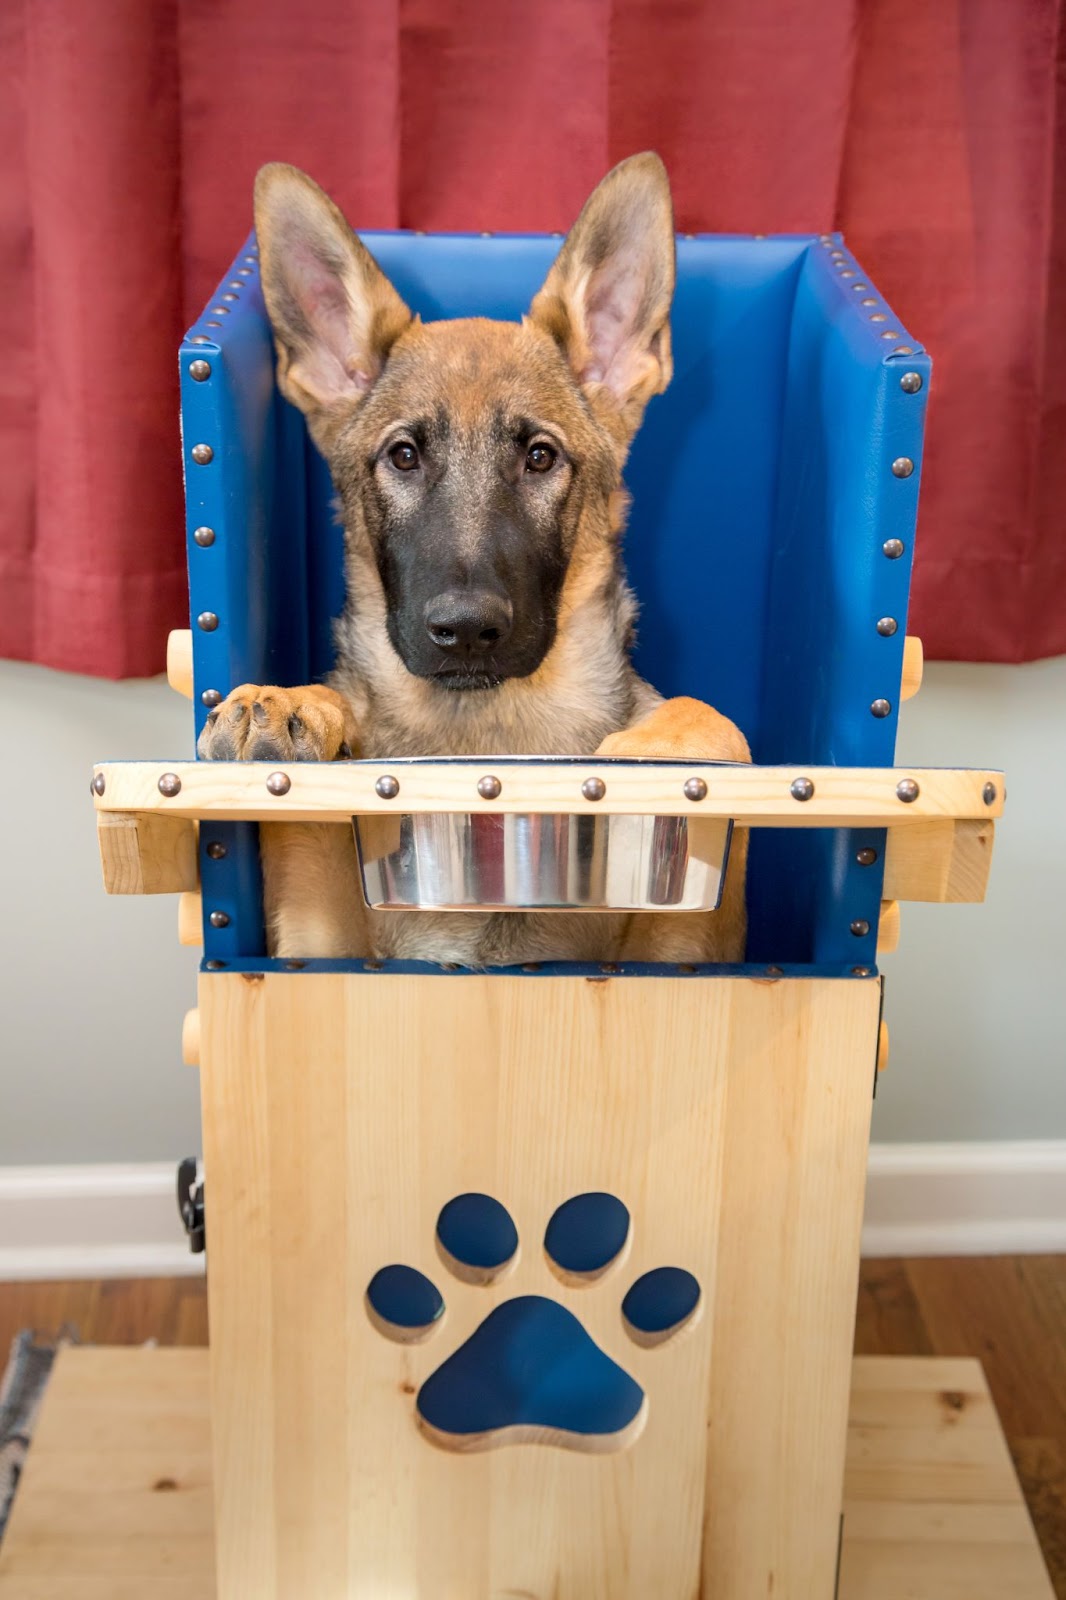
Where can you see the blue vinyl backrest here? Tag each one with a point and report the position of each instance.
(763, 494)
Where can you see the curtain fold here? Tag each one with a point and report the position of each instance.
(932, 134)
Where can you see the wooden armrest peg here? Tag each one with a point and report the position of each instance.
(190, 1038)
(179, 661)
(913, 667)
(888, 928)
(191, 918)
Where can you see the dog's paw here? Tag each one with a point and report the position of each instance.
(680, 729)
(258, 722)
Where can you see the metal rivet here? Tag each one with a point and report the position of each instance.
(866, 856)
(295, 965)
(836, 255)
(204, 537)
(847, 274)
(200, 338)
(775, 972)
(202, 454)
(988, 793)
(801, 789)
(99, 784)
(279, 783)
(911, 382)
(489, 788)
(859, 288)
(216, 850)
(902, 467)
(372, 966)
(907, 791)
(870, 302)
(235, 283)
(387, 787)
(879, 316)
(244, 272)
(220, 311)
(218, 919)
(826, 238)
(420, 233)
(860, 927)
(880, 708)
(862, 972)
(594, 788)
(486, 233)
(199, 370)
(890, 333)
(886, 626)
(450, 966)
(169, 785)
(685, 969)
(212, 325)
(557, 233)
(531, 966)
(207, 621)
(892, 548)
(251, 259)
(695, 789)
(214, 966)
(610, 967)
(211, 698)
(903, 350)
(229, 297)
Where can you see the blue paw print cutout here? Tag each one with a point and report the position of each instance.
(531, 1372)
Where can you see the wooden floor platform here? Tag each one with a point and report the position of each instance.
(115, 1503)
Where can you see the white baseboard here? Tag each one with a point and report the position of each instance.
(108, 1221)
(921, 1199)
(1005, 1198)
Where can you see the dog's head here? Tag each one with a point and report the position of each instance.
(478, 460)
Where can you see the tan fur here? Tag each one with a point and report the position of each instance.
(592, 351)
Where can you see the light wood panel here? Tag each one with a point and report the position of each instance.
(341, 1113)
(940, 860)
(142, 853)
(888, 928)
(115, 1502)
(755, 796)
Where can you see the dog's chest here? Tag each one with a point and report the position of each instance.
(494, 939)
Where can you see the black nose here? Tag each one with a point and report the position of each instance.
(468, 623)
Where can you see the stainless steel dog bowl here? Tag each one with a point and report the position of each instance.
(477, 861)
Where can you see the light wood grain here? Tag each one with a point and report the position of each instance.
(179, 661)
(888, 928)
(940, 860)
(115, 1503)
(913, 667)
(340, 1113)
(191, 918)
(146, 853)
(755, 796)
(883, 1046)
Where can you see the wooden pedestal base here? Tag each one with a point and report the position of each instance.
(116, 1500)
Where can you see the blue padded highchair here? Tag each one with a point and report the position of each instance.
(617, 1209)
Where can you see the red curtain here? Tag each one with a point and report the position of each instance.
(933, 132)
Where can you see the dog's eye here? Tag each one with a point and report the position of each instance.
(404, 456)
(541, 458)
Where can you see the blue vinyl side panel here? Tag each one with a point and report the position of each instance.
(248, 567)
(847, 420)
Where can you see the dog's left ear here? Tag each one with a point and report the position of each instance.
(606, 300)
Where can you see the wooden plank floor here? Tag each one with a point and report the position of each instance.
(1009, 1312)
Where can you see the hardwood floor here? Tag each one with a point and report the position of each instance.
(1008, 1311)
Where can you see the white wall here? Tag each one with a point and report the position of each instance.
(94, 988)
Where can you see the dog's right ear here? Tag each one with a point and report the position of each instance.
(334, 313)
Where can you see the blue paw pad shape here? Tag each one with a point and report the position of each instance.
(530, 1368)
(531, 1372)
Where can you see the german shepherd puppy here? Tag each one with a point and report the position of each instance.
(478, 466)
